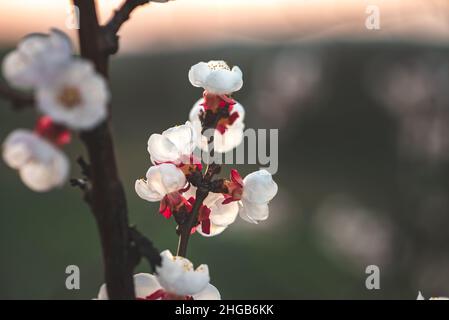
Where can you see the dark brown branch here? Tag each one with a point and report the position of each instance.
(108, 202)
(83, 183)
(18, 99)
(110, 30)
(201, 194)
(142, 247)
(204, 186)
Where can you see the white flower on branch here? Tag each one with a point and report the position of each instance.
(147, 287)
(76, 97)
(421, 297)
(175, 279)
(160, 181)
(177, 275)
(216, 77)
(163, 183)
(173, 144)
(37, 58)
(214, 216)
(41, 165)
(258, 190)
(228, 132)
(252, 193)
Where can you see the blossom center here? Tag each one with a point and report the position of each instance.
(218, 65)
(70, 97)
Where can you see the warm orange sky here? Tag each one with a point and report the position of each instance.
(188, 23)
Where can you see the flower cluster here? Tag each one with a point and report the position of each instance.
(177, 174)
(67, 90)
(175, 279)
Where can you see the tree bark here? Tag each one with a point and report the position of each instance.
(107, 197)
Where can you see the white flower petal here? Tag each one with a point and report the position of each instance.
(176, 275)
(161, 149)
(183, 137)
(17, 148)
(214, 230)
(215, 77)
(232, 138)
(41, 165)
(103, 293)
(37, 59)
(173, 178)
(87, 109)
(209, 293)
(223, 214)
(160, 181)
(259, 187)
(145, 192)
(223, 82)
(42, 177)
(222, 142)
(198, 74)
(145, 284)
(252, 212)
(173, 144)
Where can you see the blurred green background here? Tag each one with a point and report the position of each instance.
(363, 176)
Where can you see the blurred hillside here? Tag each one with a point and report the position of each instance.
(363, 176)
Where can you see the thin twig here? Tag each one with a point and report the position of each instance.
(121, 15)
(186, 228)
(141, 246)
(18, 99)
(202, 191)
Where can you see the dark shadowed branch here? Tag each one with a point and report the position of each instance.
(110, 30)
(204, 186)
(142, 247)
(107, 197)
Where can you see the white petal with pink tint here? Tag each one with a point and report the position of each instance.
(232, 137)
(144, 285)
(177, 275)
(173, 144)
(209, 293)
(259, 189)
(77, 98)
(253, 212)
(41, 165)
(37, 59)
(216, 77)
(221, 215)
(160, 181)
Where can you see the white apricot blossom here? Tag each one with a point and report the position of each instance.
(258, 190)
(147, 287)
(219, 215)
(216, 77)
(160, 181)
(77, 96)
(37, 59)
(227, 137)
(41, 165)
(174, 145)
(421, 297)
(252, 193)
(177, 275)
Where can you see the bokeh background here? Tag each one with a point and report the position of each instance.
(363, 119)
